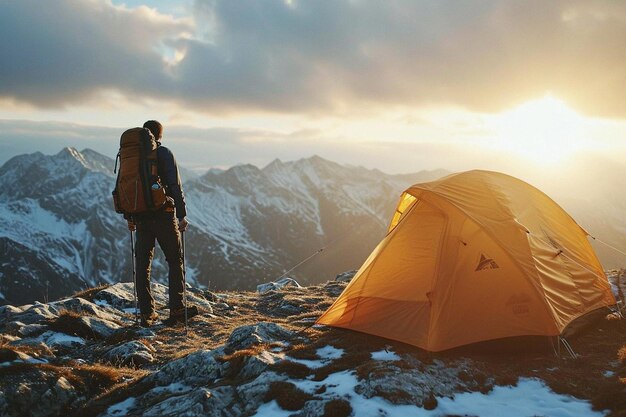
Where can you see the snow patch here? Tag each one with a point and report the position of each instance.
(385, 355)
(51, 339)
(326, 354)
(529, 397)
(329, 352)
(121, 409)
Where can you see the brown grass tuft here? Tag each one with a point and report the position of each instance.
(287, 395)
(90, 379)
(121, 335)
(348, 361)
(69, 322)
(337, 408)
(292, 369)
(302, 351)
(611, 397)
(243, 353)
(89, 293)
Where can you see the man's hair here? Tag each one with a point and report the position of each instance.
(155, 128)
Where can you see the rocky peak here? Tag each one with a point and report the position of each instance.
(252, 353)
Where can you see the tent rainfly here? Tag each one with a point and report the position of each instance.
(471, 257)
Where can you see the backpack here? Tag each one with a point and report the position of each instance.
(138, 188)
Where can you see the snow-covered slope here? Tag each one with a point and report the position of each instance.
(60, 233)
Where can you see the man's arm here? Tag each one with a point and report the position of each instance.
(168, 171)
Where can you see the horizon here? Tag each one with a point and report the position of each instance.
(522, 171)
(472, 86)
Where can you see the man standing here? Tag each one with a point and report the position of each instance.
(165, 226)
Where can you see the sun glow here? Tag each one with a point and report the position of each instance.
(545, 131)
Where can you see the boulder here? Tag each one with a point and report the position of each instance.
(416, 385)
(130, 353)
(252, 394)
(8, 311)
(101, 328)
(346, 276)
(198, 368)
(80, 305)
(160, 394)
(257, 364)
(121, 296)
(48, 397)
(30, 330)
(334, 288)
(274, 304)
(56, 340)
(36, 314)
(247, 336)
(281, 283)
(200, 402)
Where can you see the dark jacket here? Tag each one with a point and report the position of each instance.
(168, 171)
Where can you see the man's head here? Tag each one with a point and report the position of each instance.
(155, 128)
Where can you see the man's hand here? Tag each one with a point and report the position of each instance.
(131, 225)
(182, 224)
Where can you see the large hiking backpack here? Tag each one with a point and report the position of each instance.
(138, 188)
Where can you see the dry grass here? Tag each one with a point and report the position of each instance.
(69, 322)
(304, 351)
(244, 353)
(89, 293)
(291, 369)
(30, 350)
(337, 408)
(122, 335)
(287, 395)
(582, 378)
(89, 379)
(114, 394)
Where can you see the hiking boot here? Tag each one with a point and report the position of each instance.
(148, 320)
(178, 316)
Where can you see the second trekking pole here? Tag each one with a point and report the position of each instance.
(184, 280)
(132, 251)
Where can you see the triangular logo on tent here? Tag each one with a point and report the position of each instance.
(486, 263)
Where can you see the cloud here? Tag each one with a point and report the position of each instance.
(65, 51)
(320, 56)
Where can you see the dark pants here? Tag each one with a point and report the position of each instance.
(162, 227)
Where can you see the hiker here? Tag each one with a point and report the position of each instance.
(164, 225)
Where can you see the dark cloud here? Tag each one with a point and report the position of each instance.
(63, 51)
(321, 56)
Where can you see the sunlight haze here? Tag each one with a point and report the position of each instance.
(399, 86)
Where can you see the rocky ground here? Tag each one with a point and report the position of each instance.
(257, 353)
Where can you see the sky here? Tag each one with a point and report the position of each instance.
(399, 85)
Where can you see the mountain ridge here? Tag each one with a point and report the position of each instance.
(248, 224)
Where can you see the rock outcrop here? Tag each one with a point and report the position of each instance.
(251, 353)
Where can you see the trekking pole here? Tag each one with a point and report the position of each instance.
(132, 251)
(184, 281)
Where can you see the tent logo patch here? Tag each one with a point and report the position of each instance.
(486, 263)
(519, 304)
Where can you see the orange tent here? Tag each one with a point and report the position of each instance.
(471, 257)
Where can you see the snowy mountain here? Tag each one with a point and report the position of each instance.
(249, 225)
